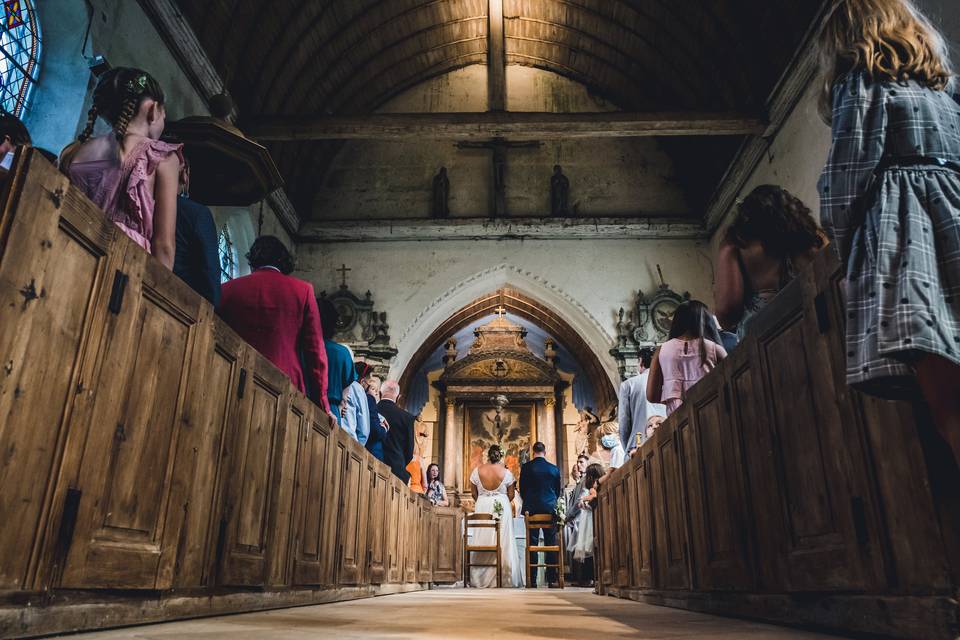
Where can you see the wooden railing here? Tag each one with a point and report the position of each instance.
(777, 493)
(152, 464)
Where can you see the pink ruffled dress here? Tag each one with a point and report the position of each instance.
(681, 368)
(123, 189)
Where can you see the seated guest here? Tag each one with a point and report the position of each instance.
(436, 492)
(340, 372)
(277, 314)
(13, 134)
(687, 356)
(653, 424)
(129, 172)
(197, 261)
(378, 424)
(583, 546)
(418, 474)
(772, 237)
(613, 450)
(355, 414)
(634, 408)
(398, 449)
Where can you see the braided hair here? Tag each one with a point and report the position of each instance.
(117, 99)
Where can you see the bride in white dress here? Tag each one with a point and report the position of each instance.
(503, 484)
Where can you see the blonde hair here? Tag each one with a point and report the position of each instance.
(890, 40)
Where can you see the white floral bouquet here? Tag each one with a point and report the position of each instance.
(561, 509)
(497, 510)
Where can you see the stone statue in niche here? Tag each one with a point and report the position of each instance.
(440, 207)
(450, 352)
(559, 193)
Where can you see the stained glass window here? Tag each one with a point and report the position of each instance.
(228, 256)
(20, 49)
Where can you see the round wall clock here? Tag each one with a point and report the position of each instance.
(347, 311)
(661, 314)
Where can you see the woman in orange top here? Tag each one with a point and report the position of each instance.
(416, 468)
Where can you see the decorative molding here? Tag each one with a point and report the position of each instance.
(780, 105)
(285, 212)
(341, 231)
(184, 45)
(486, 273)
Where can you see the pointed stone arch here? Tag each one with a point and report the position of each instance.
(559, 315)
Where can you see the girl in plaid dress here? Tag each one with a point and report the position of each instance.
(890, 198)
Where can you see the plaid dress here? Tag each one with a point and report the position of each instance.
(890, 198)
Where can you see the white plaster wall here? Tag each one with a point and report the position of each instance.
(376, 179)
(420, 284)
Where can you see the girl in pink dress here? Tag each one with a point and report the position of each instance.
(686, 357)
(129, 172)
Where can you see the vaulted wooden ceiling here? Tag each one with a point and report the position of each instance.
(299, 57)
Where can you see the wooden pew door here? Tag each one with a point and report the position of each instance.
(352, 525)
(131, 507)
(315, 497)
(253, 453)
(57, 261)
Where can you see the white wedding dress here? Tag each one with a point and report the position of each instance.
(485, 577)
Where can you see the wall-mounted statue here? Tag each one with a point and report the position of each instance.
(440, 205)
(361, 327)
(559, 193)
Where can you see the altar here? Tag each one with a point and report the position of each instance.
(499, 393)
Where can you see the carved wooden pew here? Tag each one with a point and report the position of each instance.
(777, 493)
(153, 465)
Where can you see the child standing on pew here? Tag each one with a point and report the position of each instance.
(129, 172)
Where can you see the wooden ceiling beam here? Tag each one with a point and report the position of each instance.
(514, 125)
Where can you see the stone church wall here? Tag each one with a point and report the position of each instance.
(421, 284)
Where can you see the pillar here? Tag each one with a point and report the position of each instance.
(450, 445)
(548, 432)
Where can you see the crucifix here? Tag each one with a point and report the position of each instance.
(501, 311)
(499, 146)
(343, 275)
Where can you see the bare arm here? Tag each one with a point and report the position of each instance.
(444, 501)
(655, 379)
(728, 291)
(164, 242)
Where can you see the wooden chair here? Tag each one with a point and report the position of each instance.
(546, 522)
(480, 521)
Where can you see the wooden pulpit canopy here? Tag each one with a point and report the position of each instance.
(226, 167)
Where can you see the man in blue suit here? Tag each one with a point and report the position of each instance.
(540, 488)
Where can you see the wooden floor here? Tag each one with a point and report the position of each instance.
(468, 613)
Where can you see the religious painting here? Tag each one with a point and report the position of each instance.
(516, 433)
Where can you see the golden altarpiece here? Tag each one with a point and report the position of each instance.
(500, 392)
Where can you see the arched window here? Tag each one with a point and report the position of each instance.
(228, 256)
(19, 54)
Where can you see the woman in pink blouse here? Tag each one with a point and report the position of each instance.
(129, 172)
(686, 357)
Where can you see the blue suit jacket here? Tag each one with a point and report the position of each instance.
(378, 434)
(540, 486)
(197, 261)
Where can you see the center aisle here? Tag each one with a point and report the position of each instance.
(468, 613)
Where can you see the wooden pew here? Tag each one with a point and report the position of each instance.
(777, 493)
(154, 466)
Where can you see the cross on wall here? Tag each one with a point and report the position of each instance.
(343, 270)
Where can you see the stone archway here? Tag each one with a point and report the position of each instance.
(514, 301)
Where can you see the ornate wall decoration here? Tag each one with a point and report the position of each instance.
(646, 326)
(362, 328)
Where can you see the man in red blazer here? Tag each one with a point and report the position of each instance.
(277, 314)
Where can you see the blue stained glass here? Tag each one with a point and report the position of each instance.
(19, 55)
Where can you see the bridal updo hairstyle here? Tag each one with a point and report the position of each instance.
(495, 453)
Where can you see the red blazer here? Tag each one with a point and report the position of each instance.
(278, 315)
